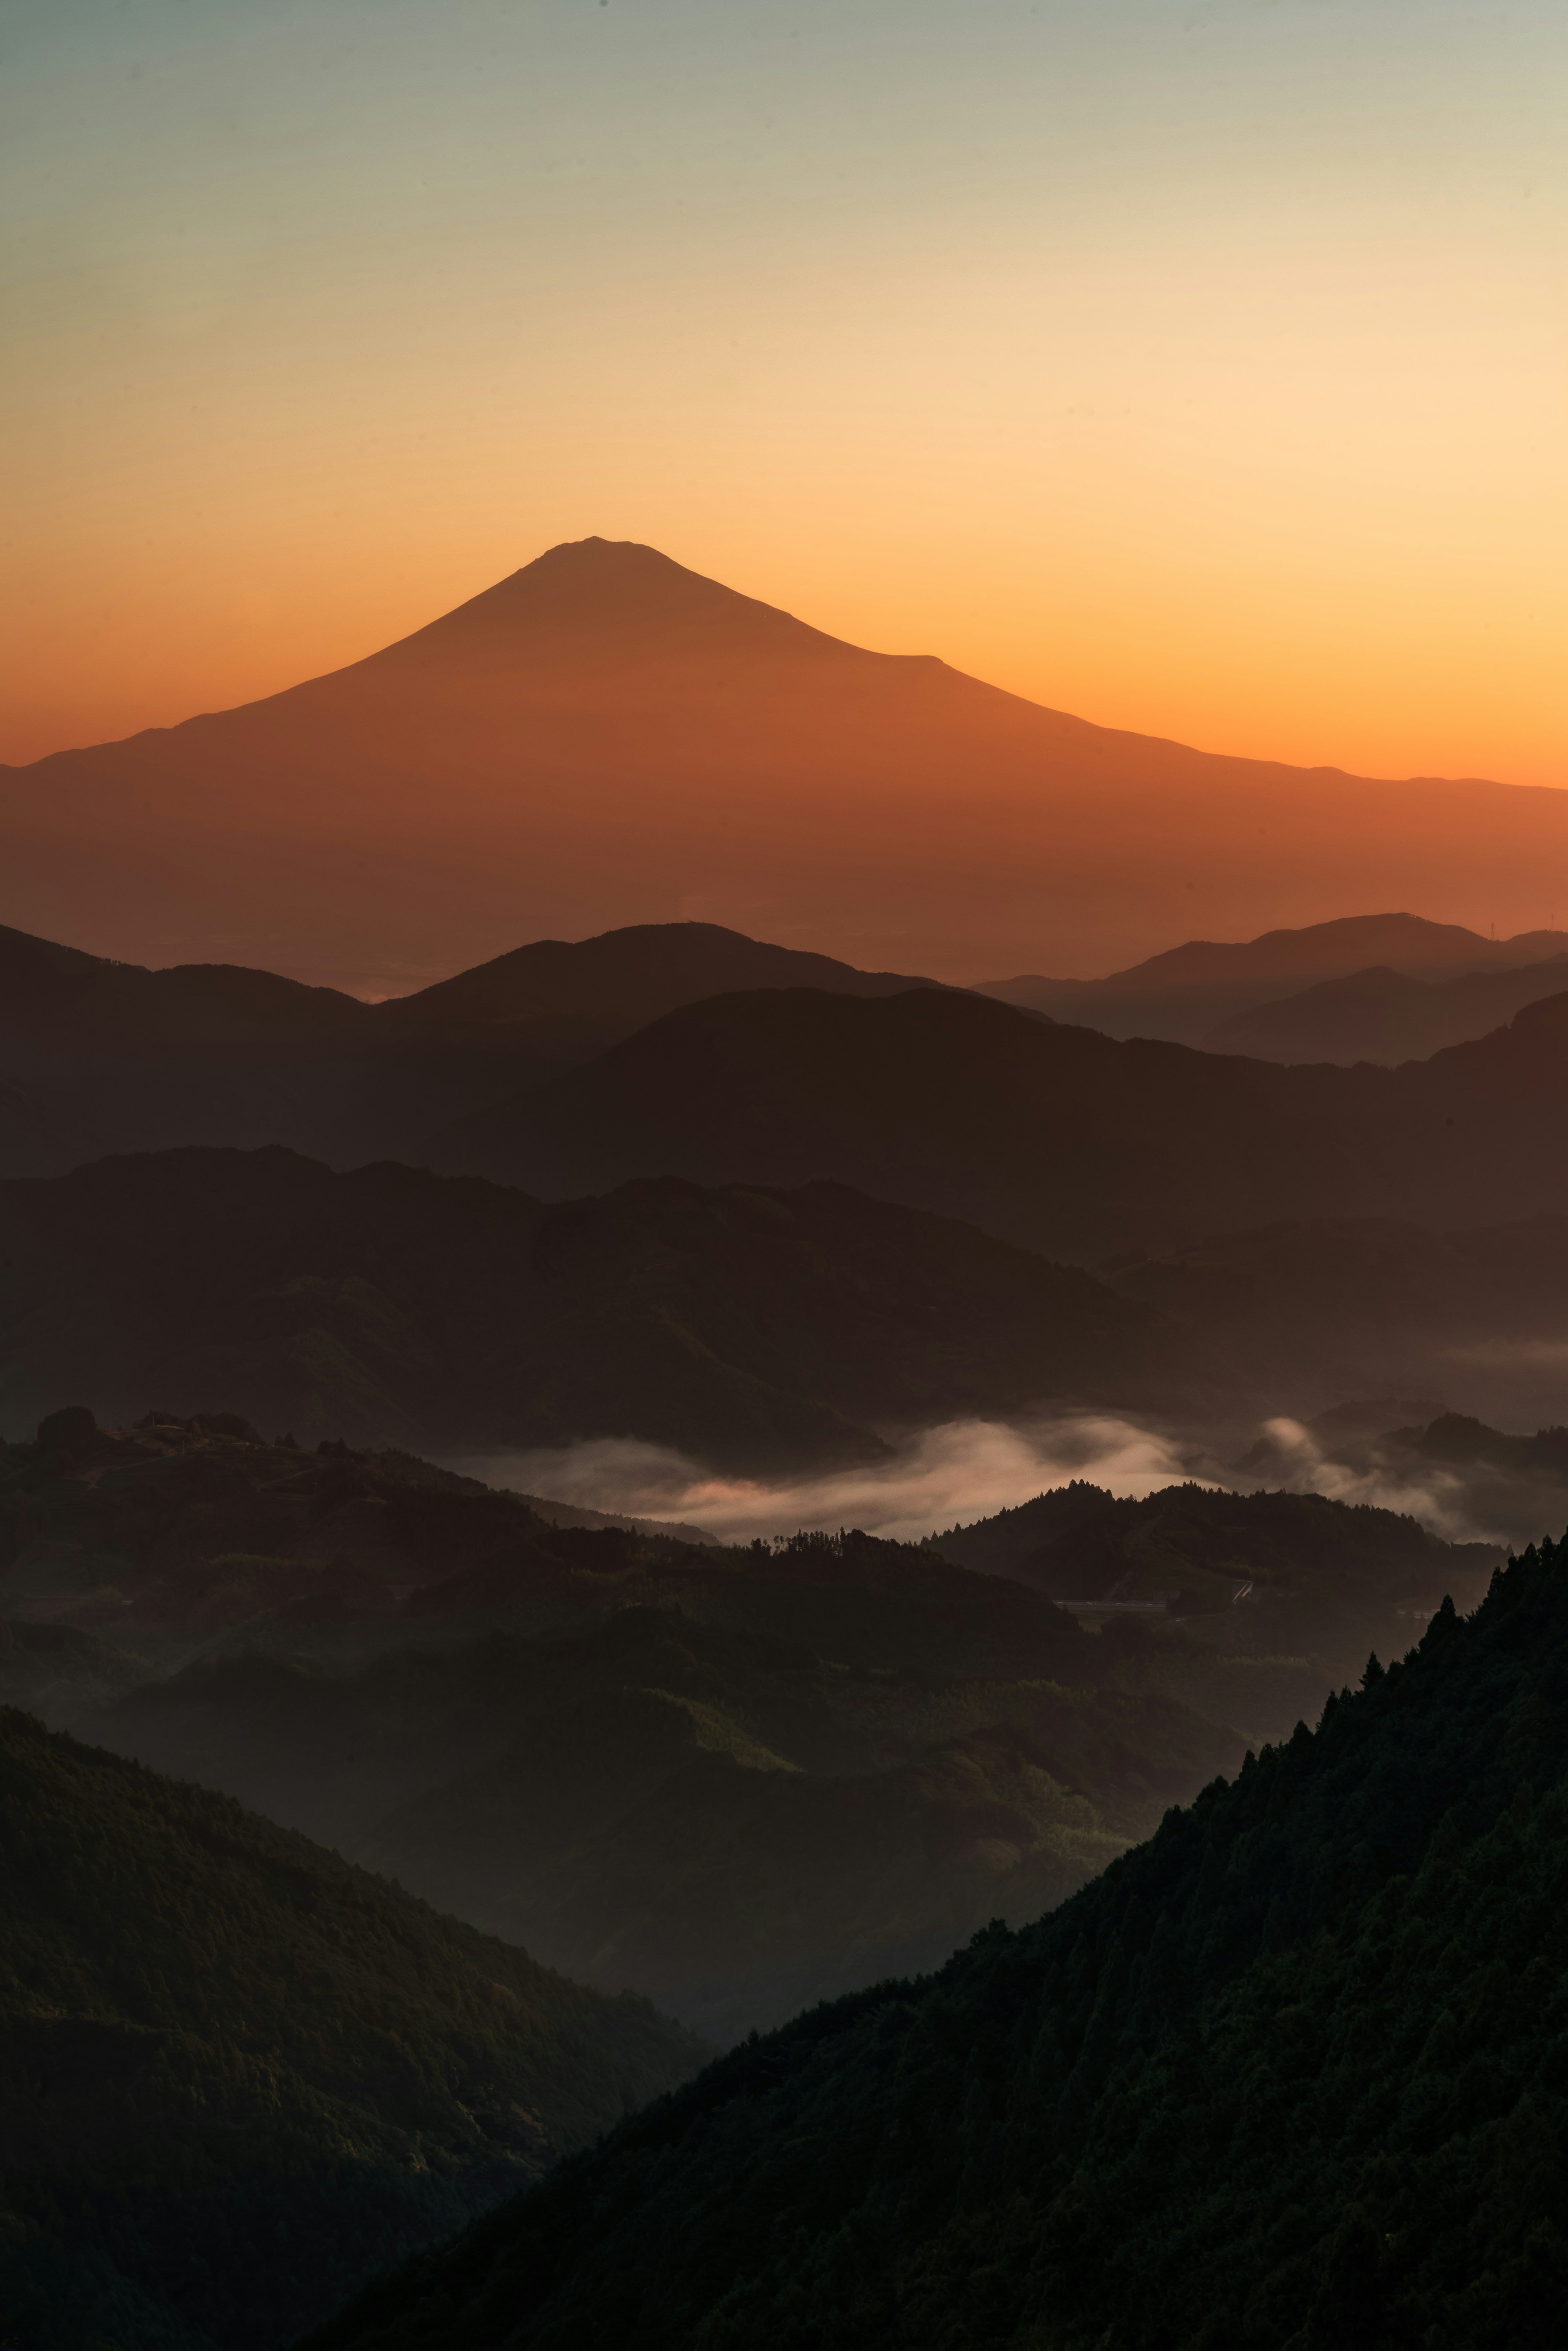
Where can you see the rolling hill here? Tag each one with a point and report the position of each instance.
(608, 738)
(754, 1329)
(1290, 2072)
(1055, 1136)
(738, 1778)
(1188, 993)
(1381, 1015)
(240, 2075)
(99, 1057)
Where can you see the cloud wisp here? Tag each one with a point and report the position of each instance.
(960, 1470)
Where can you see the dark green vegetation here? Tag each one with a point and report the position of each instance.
(738, 1779)
(754, 1329)
(1056, 1137)
(237, 2077)
(1292, 2073)
(99, 1057)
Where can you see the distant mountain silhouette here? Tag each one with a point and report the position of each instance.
(1058, 1137)
(608, 738)
(1382, 1016)
(97, 1056)
(755, 1329)
(1190, 993)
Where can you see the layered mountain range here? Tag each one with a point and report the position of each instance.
(606, 738)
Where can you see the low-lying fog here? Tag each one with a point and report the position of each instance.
(968, 1470)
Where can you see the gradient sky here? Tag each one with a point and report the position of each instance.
(1197, 368)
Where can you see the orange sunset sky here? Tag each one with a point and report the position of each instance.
(1201, 369)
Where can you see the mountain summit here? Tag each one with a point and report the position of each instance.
(595, 605)
(606, 739)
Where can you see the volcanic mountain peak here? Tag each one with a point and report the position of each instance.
(593, 603)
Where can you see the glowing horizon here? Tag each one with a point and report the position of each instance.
(1198, 372)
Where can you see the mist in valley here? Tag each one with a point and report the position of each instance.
(960, 1470)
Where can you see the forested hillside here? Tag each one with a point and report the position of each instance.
(1294, 2073)
(741, 1779)
(237, 2075)
(752, 1329)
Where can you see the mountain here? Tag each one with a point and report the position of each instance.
(606, 738)
(1361, 1308)
(1381, 1015)
(756, 1330)
(100, 1057)
(1200, 993)
(1449, 1465)
(1270, 1574)
(735, 1819)
(1290, 2072)
(1055, 1136)
(241, 2076)
(740, 1779)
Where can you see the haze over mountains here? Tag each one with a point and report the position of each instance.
(1203, 993)
(606, 738)
(1282, 1220)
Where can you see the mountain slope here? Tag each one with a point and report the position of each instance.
(752, 1329)
(607, 737)
(1058, 1137)
(97, 1057)
(1291, 2073)
(240, 2074)
(1380, 1014)
(1183, 994)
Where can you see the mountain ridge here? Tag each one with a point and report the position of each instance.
(385, 821)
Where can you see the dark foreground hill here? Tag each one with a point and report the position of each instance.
(1058, 1137)
(99, 1057)
(1294, 2073)
(755, 1329)
(238, 2075)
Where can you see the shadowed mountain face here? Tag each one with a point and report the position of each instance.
(738, 1778)
(98, 1056)
(755, 1329)
(606, 736)
(217, 2039)
(1222, 994)
(1055, 1136)
(1289, 2073)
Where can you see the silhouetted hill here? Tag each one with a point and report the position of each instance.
(1290, 2072)
(97, 1057)
(607, 737)
(1185, 994)
(1055, 1136)
(754, 1329)
(1345, 1308)
(241, 2076)
(743, 1778)
(1381, 1015)
(573, 998)
(1449, 1465)
(1288, 1573)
